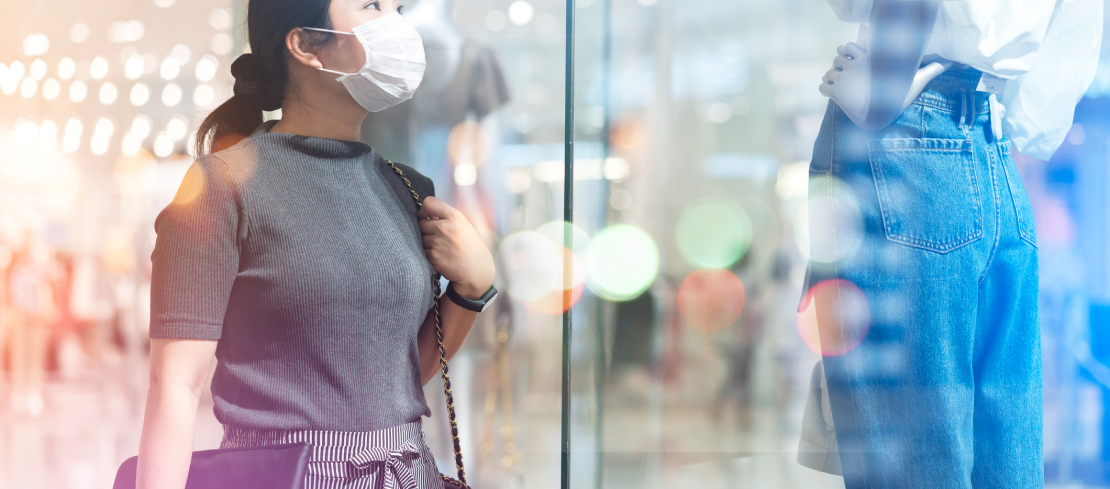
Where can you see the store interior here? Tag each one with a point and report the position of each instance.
(677, 279)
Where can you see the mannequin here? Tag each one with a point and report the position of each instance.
(462, 79)
(443, 41)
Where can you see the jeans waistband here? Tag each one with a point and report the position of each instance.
(950, 90)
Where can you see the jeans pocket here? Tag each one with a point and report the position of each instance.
(1023, 210)
(927, 192)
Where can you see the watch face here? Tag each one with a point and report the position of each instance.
(490, 301)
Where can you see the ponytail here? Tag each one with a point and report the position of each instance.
(260, 75)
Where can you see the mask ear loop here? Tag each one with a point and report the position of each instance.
(333, 32)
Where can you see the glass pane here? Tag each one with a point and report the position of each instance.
(695, 127)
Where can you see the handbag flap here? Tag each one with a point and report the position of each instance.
(269, 467)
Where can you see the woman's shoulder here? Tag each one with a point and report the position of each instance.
(239, 159)
(421, 184)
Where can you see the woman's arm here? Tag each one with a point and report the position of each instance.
(456, 322)
(457, 252)
(178, 374)
(871, 85)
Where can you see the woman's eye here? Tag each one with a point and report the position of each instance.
(401, 9)
(374, 6)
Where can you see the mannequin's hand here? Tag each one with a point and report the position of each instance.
(846, 83)
(455, 249)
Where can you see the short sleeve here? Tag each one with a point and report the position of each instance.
(196, 254)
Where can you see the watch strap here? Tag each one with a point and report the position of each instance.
(472, 305)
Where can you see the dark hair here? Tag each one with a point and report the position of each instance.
(261, 75)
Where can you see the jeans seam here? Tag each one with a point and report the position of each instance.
(997, 218)
(1022, 232)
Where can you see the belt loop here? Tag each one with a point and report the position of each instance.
(963, 107)
(967, 112)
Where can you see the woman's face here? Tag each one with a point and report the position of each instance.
(346, 53)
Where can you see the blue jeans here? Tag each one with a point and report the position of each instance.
(936, 242)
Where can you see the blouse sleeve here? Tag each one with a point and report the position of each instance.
(1040, 104)
(196, 255)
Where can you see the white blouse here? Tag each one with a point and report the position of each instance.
(1047, 49)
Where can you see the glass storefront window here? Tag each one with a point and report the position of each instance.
(673, 260)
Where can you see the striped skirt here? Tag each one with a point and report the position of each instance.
(392, 458)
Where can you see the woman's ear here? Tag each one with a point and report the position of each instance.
(302, 49)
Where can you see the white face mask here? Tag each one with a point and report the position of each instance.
(394, 63)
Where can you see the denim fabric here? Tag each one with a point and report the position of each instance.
(944, 390)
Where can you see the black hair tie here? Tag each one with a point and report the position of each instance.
(247, 70)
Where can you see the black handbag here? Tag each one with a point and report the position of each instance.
(284, 466)
(448, 482)
(269, 467)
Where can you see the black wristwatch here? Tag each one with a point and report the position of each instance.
(477, 306)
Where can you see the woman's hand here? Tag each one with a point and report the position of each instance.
(455, 249)
(847, 84)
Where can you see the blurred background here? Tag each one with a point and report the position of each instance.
(693, 126)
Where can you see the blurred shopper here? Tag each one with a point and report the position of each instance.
(89, 306)
(34, 310)
(294, 259)
(927, 303)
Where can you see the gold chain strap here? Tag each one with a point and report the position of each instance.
(442, 358)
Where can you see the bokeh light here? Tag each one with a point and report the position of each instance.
(711, 299)
(181, 53)
(627, 133)
(554, 232)
(830, 226)
(623, 262)
(98, 68)
(206, 67)
(469, 143)
(37, 70)
(171, 95)
(221, 43)
(36, 44)
(177, 126)
(170, 69)
(134, 66)
(71, 139)
(203, 95)
(835, 317)
(104, 127)
(50, 89)
(465, 174)
(713, 233)
(557, 301)
(98, 145)
(140, 94)
(521, 12)
(529, 264)
(130, 144)
(66, 68)
(141, 126)
(163, 145)
(78, 91)
(219, 19)
(108, 93)
(28, 87)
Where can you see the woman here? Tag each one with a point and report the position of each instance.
(927, 307)
(290, 258)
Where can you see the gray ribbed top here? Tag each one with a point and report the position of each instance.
(297, 255)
